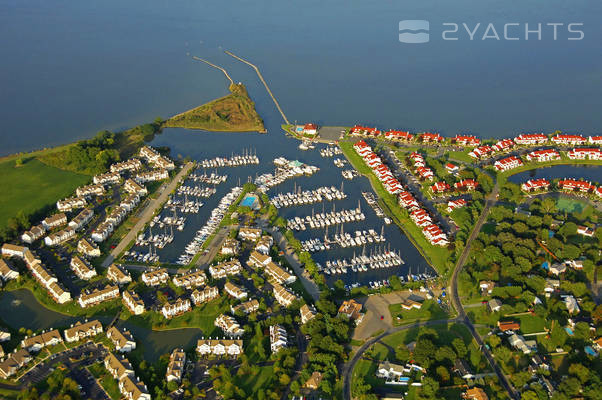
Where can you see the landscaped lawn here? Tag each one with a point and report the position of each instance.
(33, 187)
(108, 383)
(253, 383)
(570, 205)
(429, 310)
(531, 323)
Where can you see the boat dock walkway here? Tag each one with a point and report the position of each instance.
(215, 66)
(263, 81)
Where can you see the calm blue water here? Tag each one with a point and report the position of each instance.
(71, 68)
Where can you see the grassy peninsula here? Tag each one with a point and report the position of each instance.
(234, 113)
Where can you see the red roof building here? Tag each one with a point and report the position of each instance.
(425, 173)
(504, 144)
(543, 155)
(467, 185)
(398, 135)
(595, 140)
(506, 164)
(453, 204)
(531, 139)
(360, 130)
(430, 137)
(576, 185)
(440, 187)
(582, 154)
(451, 168)
(568, 139)
(310, 129)
(535, 184)
(481, 152)
(466, 140)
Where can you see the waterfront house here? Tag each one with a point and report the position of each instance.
(118, 367)
(508, 163)
(503, 145)
(247, 307)
(175, 367)
(466, 140)
(582, 154)
(310, 129)
(278, 339)
(131, 186)
(156, 277)
(44, 339)
(430, 137)
(543, 155)
(81, 331)
(6, 272)
(574, 185)
(151, 176)
(453, 204)
(475, 393)
(179, 307)
(133, 302)
(508, 326)
(118, 274)
(122, 339)
(481, 152)
(190, 279)
(264, 244)
(59, 294)
(352, 310)
(59, 237)
(96, 296)
(232, 267)
(533, 185)
(359, 130)
(307, 312)
(435, 235)
(594, 140)
(90, 190)
(153, 157)
(283, 296)
(54, 221)
(204, 295)
(407, 201)
(229, 326)
(133, 164)
(108, 178)
(82, 269)
(531, 139)
(249, 234)
(219, 347)
(133, 389)
(402, 136)
(33, 234)
(235, 291)
(88, 248)
(278, 274)
(230, 247)
(568, 139)
(70, 204)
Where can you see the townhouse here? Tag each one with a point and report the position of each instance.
(481, 152)
(247, 307)
(533, 185)
(466, 185)
(82, 269)
(156, 277)
(133, 164)
(435, 235)
(575, 185)
(153, 157)
(230, 247)
(543, 155)
(582, 154)
(13, 362)
(123, 340)
(118, 274)
(407, 201)
(59, 294)
(430, 137)
(278, 339)
(421, 217)
(232, 267)
(70, 204)
(219, 347)
(204, 295)
(131, 186)
(530, 139)
(440, 187)
(133, 389)
(359, 130)
(235, 291)
(116, 215)
(249, 234)
(7, 272)
(88, 248)
(503, 145)
(283, 296)
(33, 234)
(133, 302)
(130, 202)
(258, 260)
(118, 366)
(264, 244)
(425, 173)
(307, 313)
(151, 176)
(594, 140)
(81, 331)
(54, 221)
(178, 307)
(90, 190)
(400, 136)
(59, 237)
(352, 310)
(44, 339)
(190, 279)
(453, 204)
(508, 163)
(229, 325)
(382, 172)
(46, 278)
(451, 168)
(102, 231)
(466, 140)
(278, 274)
(175, 367)
(96, 296)
(108, 178)
(568, 139)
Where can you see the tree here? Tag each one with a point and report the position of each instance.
(429, 388)
(443, 373)
(460, 347)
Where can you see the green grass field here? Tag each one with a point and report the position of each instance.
(429, 310)
(33, 186)
(253, 383)
(570, 205)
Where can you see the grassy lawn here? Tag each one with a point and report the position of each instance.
(108, 383)
(253, 383)
(570, 205)
(480, 315)
(366, 369)
(531, 323)
(429, 310)
(461, 156)
(435, 255)
(34, 186)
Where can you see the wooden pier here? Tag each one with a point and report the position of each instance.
(215, 66)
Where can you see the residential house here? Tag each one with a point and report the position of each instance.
(278, 339)
(352, 310)
(96, 296)
(133, 302)
(230, 247)
(389, 371)
(519, 343)
(82, 269)
(190, 279)
(54, 221)
(175, 367)
(156, 277)
(307, 312)
(81, 331)
(282, 295)
(531, 139)
(247, 307)
(133, 389)
(258, 260)
(314, 381)
(219, 347)
(545, 155)
(88, 248)
(11, 250)
(506, 164)
(249, 234)
(70, 204)
(462, 369)
(59, 237)
(6, 272)
(204, 295)
(33, 234)
(453, 204)
(568, 139)
(494, 305)
(90, 190)
(122, 339)
(264, 244)
(232, 267)
(487, 287)
(118, 367)
(571, 304)
(118, 274)
(133, 164)
(131, 186)
(229, 326)
(108, 178)
(235, 291)
(475, 393)
(151, 176)
(44, 339)
(533, 185)
(180, 306)
(276, 273)
(508, 326)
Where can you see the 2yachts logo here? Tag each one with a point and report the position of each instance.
(418, 31)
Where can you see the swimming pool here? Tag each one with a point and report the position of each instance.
(248, 201)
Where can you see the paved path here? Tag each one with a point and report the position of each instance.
(214, 246)
(147, 214)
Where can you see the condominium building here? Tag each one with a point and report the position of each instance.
(81, 331)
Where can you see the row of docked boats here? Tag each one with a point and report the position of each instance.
(212, 179)
(216, 217)
(330, 151)
(363, 263)
(285, 169)
(339, 162)
(235, 160)
(373, 203)
(196, 191)
(299, 198)
(349, 174)
(344, 240)
(322, 220)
